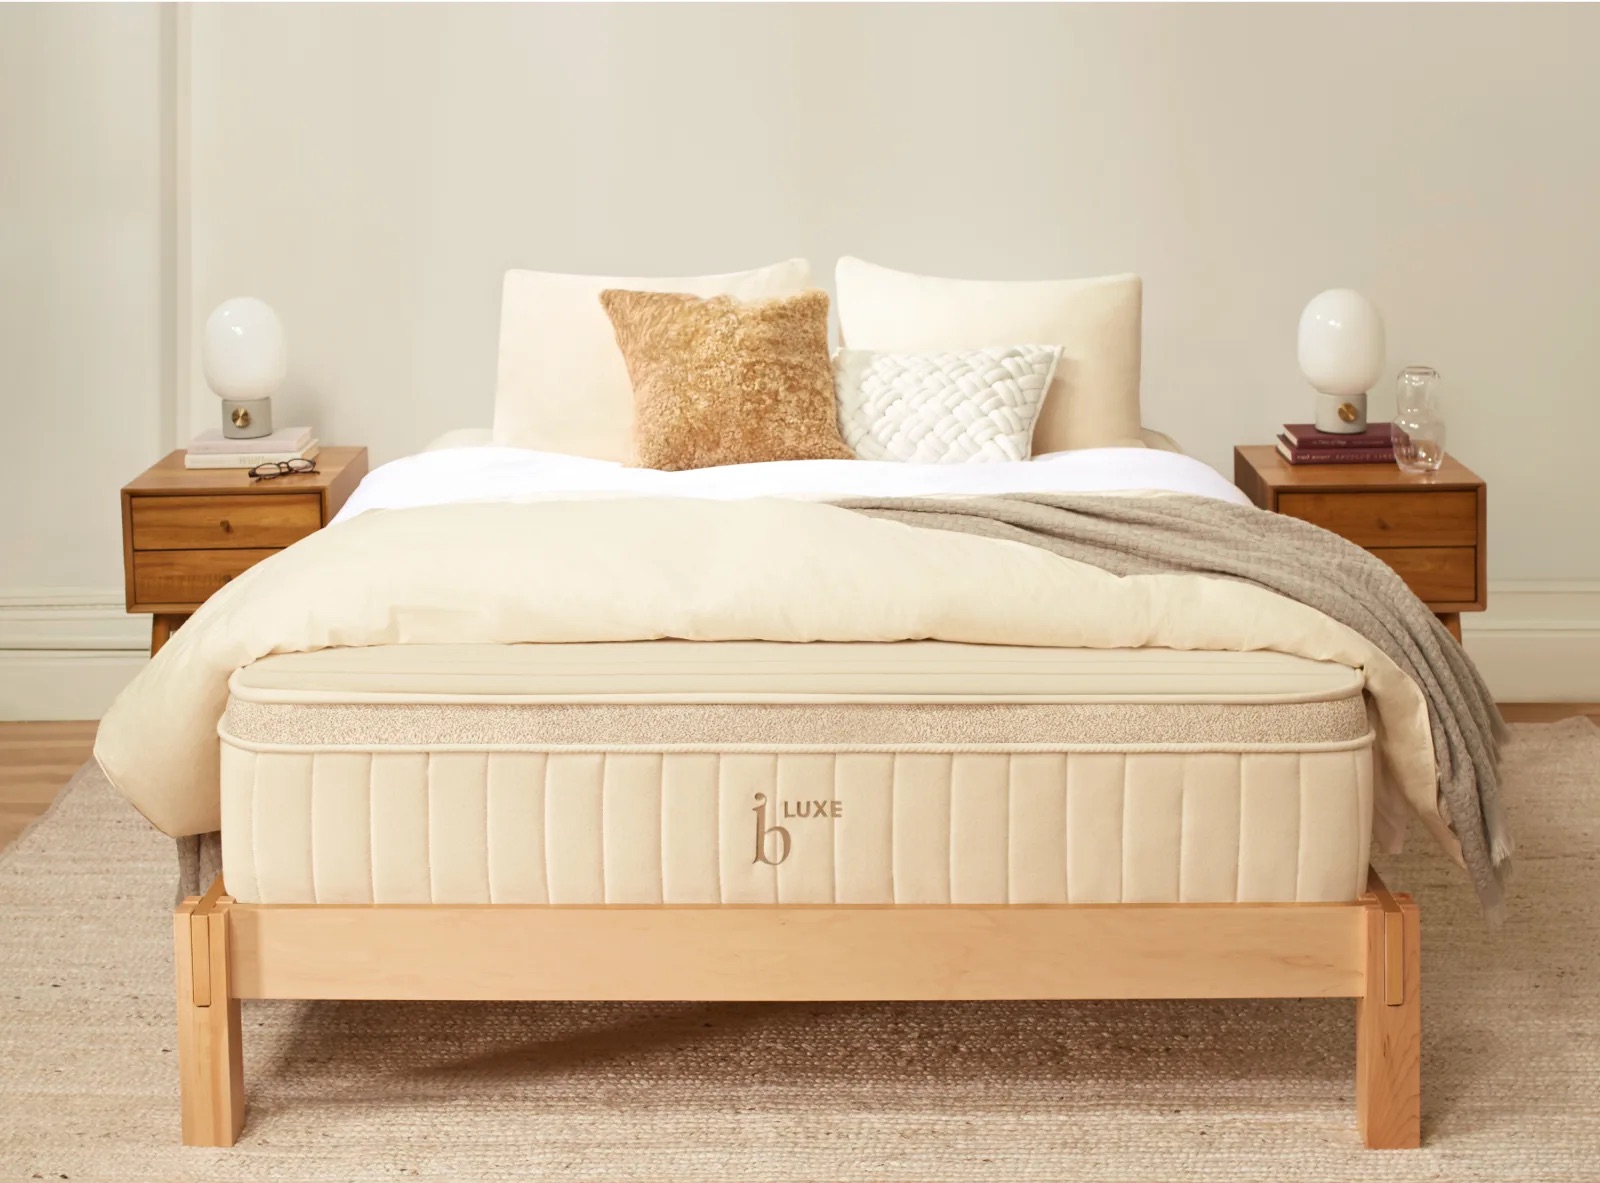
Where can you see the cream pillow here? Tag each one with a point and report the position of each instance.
(973, 407)
(562, 384)
(1093, 400)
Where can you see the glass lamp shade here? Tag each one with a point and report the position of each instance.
(1341, 343)
(243, 351)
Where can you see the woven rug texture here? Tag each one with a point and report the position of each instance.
(982, 1091)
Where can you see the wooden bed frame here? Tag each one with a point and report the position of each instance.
(1367, 950)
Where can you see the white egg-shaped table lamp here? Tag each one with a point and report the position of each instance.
(1341, 355)
(245, 360)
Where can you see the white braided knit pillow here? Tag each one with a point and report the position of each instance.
(973, 407)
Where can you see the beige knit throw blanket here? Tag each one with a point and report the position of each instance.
(1201, 536)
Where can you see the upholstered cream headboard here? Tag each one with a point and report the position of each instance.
(562, 385)
(1159, 439)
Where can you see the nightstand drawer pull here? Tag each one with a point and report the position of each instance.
(1377, 519)
(198, 523)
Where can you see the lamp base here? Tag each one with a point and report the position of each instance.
(246, 420)
(1341, 414)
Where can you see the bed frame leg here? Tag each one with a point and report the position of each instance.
(1389, 1023)
(210, 1066)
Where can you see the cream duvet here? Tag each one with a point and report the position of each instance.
(639, 569)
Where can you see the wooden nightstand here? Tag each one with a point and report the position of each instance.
(1428, 528)
(187, 531)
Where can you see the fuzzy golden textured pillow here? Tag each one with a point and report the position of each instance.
(723, 381)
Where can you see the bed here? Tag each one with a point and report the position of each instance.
(579, 730)
(860, 817)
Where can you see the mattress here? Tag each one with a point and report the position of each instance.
(670, 772)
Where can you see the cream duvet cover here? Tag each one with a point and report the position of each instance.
(640, 569)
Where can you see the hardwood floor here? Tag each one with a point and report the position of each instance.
(36, 759)
(1548, 712)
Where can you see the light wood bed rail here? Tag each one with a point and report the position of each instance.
(1367, 950)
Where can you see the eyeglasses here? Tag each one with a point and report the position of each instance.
(277, 468)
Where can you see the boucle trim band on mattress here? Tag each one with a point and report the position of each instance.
(457, 796)
(857, 726)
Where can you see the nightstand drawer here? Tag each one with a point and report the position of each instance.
(201, 523)
(1420, 519)
(187, 576)
(1438, 574)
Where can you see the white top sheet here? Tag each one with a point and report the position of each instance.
(517, 474)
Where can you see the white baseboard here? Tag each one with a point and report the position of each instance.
(43, 684)
(66, 652)
(1538, 642)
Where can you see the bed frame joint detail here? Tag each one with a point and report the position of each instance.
(1394, 942)
(200, 918)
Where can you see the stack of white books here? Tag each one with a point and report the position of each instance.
(211, 449)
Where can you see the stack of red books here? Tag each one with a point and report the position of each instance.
(1301, 443)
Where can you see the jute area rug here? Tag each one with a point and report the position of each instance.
(1049, 1091)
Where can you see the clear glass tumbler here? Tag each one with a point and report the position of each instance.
(1419, 426)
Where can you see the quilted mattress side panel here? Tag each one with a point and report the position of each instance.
(795, 827)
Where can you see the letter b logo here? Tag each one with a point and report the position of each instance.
(764, 832)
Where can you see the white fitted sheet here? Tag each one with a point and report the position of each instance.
(460, 474)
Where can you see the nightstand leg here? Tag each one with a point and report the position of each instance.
(162, 626)
(1451, 621)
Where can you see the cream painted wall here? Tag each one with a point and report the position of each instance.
(83, 305)
(372, 169)
(87, 390)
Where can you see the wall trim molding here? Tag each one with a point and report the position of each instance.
(1539, 641)
(66, 652)
(1538, 605)
(40, 685)
(70, 619)
(178, 424)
